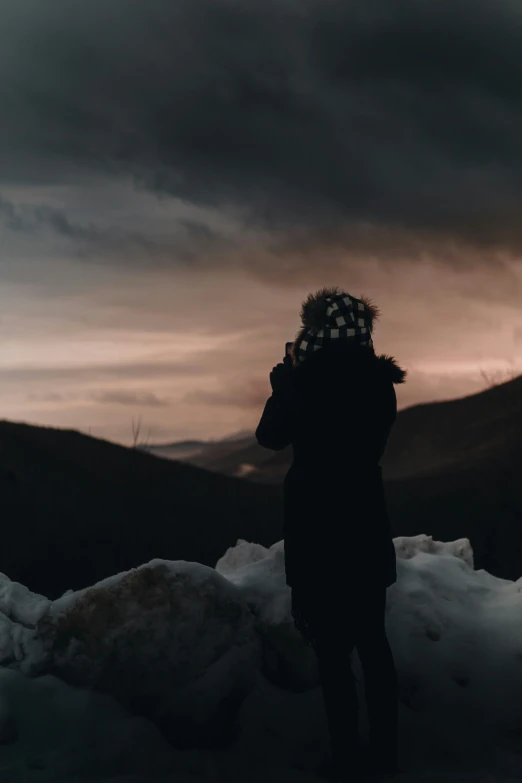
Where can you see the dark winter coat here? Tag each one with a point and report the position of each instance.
(336, 409)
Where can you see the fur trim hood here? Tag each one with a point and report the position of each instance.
(386, 365)
(390, 367)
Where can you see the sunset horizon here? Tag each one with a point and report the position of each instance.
(166, 206)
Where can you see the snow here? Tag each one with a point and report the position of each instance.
(173, 640)
(457, 642)
(189, 639)
(58, 733)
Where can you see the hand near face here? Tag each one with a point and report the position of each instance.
(280, 374)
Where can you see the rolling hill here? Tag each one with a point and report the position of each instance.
(454, 468)
(76, 509)
(226, 456)
(451, 469)
(426, 438)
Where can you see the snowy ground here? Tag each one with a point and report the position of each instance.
(456, 635)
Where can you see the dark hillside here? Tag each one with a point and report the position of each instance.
(76, 509)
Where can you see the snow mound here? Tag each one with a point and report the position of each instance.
(259, 573)
(211, 657)
(20, 611)
(60, 734)
(457, 643)
(172, 641)
(407, 547)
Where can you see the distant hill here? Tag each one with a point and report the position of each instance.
(208, 454)
(462, 433)
(184, 451)
(451, 468)
(182, 445)
(229, 456)
(76, 509)
(426, 438)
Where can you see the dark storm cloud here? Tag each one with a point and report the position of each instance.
(188, 237)
(319, 112)
(28, 219)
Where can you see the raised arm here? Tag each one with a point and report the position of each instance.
(274, 429)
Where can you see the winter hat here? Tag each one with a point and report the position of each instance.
(332, 314)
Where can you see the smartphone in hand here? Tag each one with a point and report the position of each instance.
(288, 349)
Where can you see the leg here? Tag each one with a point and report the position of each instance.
(341, 706)
(333, 644)
(380, 679)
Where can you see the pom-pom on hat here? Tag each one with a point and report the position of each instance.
(332, 314)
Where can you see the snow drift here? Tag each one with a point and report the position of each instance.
(211, 657)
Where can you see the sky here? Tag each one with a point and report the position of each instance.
(176, 177)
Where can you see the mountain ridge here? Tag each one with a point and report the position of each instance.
(416, 444)
(82, 508)
(451, 469)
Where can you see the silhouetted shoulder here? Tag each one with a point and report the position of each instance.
(389, 367)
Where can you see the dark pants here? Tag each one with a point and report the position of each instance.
(336, 627)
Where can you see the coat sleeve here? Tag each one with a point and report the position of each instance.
(274, 430)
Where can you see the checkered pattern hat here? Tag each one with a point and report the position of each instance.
(346, 318)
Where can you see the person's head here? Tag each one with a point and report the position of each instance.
(331, 317)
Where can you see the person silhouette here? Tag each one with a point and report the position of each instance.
(333, 400)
